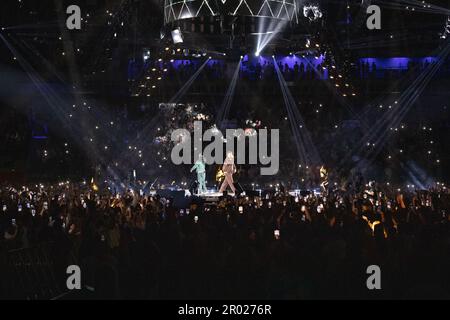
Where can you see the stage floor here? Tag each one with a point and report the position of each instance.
(218, 194)
(213, 195)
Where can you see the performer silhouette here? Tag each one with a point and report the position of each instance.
(324, 179)
(228, 169)
(199, 166)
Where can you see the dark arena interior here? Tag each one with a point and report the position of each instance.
(224, 150)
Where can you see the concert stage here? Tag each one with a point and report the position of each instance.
(183, 198)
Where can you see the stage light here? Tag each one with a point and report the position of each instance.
(257, 53)
(312, 12)
(146, 55)
(177, 36)
(242, 57)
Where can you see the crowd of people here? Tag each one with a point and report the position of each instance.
(260, 69)
(264, 245)
(298, 69)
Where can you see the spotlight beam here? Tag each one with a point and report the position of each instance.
(266, 33)
(224, 110)
(148, 132)
(58, 105)
(396, 119)
(176, 98)
(306, 149)
(378, 133)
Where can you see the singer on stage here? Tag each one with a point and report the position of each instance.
(201, 174)
(228, 169)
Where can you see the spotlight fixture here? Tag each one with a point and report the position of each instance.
(446, 32)
(177, 36)
(312, 12)
(257, 53)
(146, 54)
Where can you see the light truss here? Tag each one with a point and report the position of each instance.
(285, 10)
